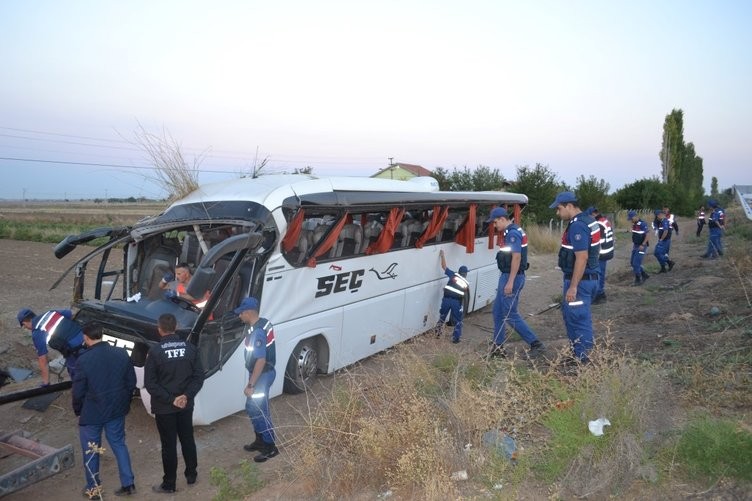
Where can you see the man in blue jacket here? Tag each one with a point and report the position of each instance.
(102, 390)
(57, 329)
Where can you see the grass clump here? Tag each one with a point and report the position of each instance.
(235, 485)
(713, 449)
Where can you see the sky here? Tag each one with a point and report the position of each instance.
(582, 87)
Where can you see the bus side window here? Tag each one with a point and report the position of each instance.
(451, 225)
(320, 232)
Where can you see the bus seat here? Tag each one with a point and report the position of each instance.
(349, 241)
(451, 225)
(191, 252)
(318, 236)
(305, 242)
(160, 261)
(414, 230)
(371, 233)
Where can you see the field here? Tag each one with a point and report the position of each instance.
(673, 379)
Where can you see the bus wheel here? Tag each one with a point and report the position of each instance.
(301, 368)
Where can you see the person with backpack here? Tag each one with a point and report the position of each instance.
(607, 251)
(58, 330)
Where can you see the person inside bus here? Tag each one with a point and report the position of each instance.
(454, 297)
(176, 285)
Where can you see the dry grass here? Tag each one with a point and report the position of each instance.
(409, 433)
(543, 241)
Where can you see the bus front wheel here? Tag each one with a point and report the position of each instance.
(301, 368)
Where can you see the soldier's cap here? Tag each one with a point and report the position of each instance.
(631, 214)
(564, 197)
(463, 269)
(592, 210)
(496, 213)
(23, 314)
(249, 303)
(658, 212)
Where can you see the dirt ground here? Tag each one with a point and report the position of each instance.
(671, 310)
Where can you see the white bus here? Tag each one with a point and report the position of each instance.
(343, 267)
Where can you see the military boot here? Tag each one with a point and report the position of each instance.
(644, 275)
(637, 281)
(670, 265)
(256, 445)
(268, 452)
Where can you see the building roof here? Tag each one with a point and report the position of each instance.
(416, 170)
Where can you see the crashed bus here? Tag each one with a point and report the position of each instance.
(343, 267)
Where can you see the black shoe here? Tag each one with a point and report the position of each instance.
(663, 270)
(162, 489)
(191, 480)
(455, 340)
(269, 452)
(644, 276)
(126, 490)
(256, 445)
(536, 349)
(671, 265)
(637, 282)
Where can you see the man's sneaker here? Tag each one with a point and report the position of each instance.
(536, 349)
(126, 490)
(269, 452)
(671, 265)
(162, 489)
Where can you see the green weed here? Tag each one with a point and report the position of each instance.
(236, 485)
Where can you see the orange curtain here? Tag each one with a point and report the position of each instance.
(492, 232)
(327, 243)
(386, 238)
(466, 234)
(437, 222)
(293, 231)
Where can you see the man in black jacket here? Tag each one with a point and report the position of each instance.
(173, 376)
(102, 389)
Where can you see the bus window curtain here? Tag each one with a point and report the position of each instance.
(386, 238)
(434, 226)
(293, 231)
(492, 235)
(466, 234)
(327, 243)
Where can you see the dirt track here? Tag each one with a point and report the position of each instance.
(671, 306)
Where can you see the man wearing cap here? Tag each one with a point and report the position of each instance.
(512, 262)
(455, 292)
(578, 260)
(700, 219)
(607, 250)
(260, 358)
(58, 328)
(716, 227)
(663, 246)
(173, 376)
(640, 243)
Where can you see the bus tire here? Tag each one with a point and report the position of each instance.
(301, 368)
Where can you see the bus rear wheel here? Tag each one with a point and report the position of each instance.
(301, 368)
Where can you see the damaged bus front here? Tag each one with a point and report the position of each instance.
(227, 244)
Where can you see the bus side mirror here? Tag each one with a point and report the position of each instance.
(200, 282)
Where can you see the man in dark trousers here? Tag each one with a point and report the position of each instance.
(102, 390)
(578, 260)
(260, 358)
(173, 376)
(455, 291)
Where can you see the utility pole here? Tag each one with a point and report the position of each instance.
(391, 167)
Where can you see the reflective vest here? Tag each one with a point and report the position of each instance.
(504, 256)
(253, 337)
(456, 286)
(639, 232)
(566, 252)
(701, 216)
(664, 228)
(607, 238)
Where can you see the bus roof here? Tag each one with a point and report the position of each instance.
(274, 190)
